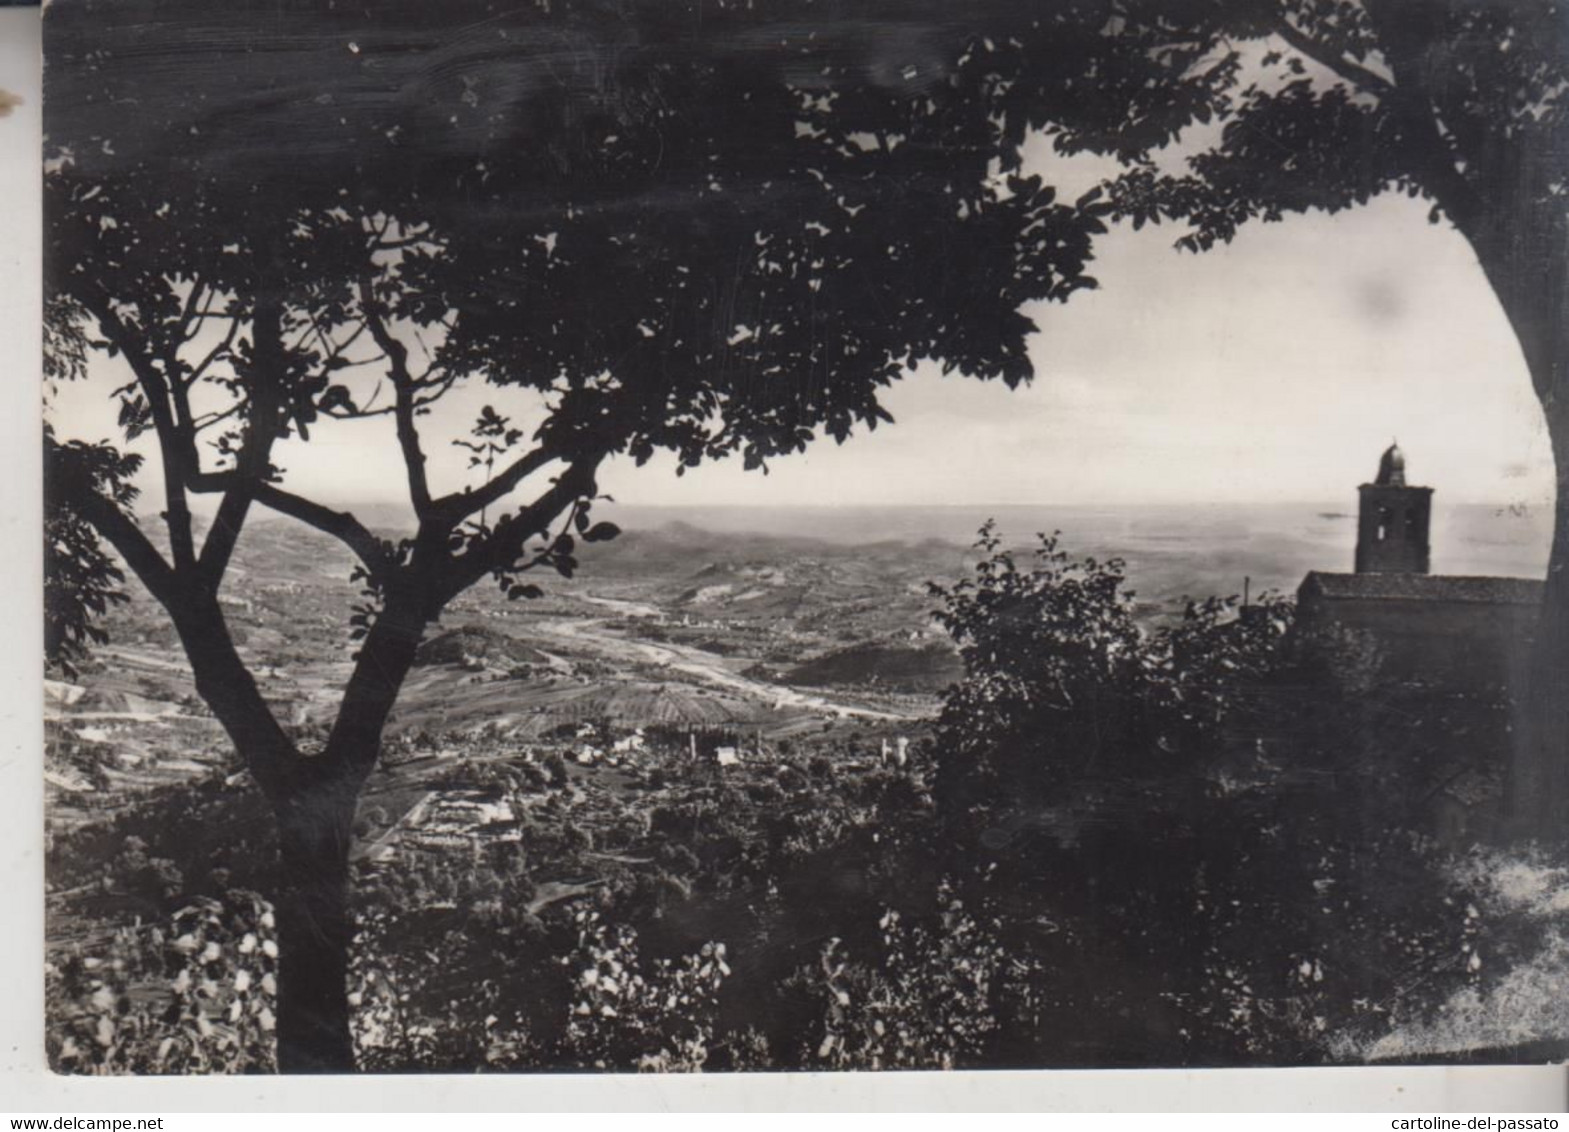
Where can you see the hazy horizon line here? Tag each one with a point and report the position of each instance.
(830, 505)
(1321, 506)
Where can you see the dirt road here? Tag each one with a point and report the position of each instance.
(594, 635)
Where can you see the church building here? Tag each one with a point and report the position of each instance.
(1449, 632)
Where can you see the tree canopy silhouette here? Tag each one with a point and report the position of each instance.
(705, 228)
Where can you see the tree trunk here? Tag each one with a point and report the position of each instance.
(1523, 260)
(1535, 294)
(314, 800)
(1506, 205)
(315, 831)
(1538, 775)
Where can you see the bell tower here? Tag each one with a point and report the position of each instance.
(1392, 526)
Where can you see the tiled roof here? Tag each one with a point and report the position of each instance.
(1423, 587)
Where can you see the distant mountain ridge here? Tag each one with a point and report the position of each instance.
(1170, 551)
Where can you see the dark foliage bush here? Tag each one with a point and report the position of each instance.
(1212, 848)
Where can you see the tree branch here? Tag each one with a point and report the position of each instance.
(227, 524)
(171, 442)
(1409, 99)
(185, 329)
(218, 416)
(386, 245)
(504, 545)
(254, 461)
(341, 525)
(403, 387)
(217, 352)
(132, 544)
(385, 657)
(1370, 82)
(460, 505)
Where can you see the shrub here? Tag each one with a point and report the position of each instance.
(928, 998)
(198, 997)
(627, 1013)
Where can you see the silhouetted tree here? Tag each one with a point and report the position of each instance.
(705, 228)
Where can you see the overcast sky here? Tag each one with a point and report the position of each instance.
(1273, 369)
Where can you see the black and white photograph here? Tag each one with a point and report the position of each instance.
(671, 536)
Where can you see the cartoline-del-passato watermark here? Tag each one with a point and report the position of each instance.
(1473, 1123)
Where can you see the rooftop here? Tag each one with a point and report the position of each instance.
(1423, 587)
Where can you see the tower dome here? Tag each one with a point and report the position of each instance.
(1392, 468)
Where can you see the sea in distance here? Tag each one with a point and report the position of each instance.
(1184, 548)
(1170, 550)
